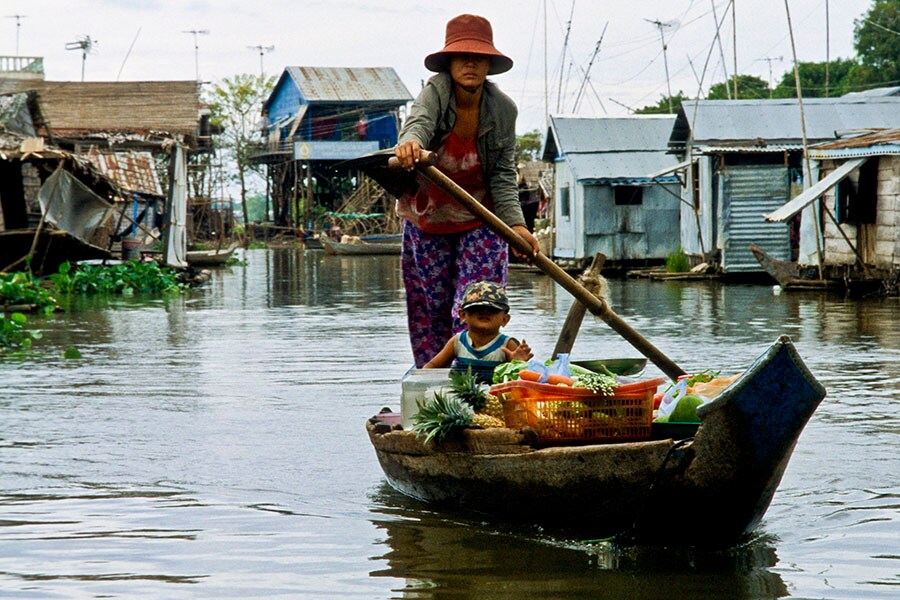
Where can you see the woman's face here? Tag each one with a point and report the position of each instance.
(469, 70)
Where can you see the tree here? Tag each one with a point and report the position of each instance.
(662, 107)
(528, 146)
(812, 80)
(876, 37)
(750, 87)
(235, 105)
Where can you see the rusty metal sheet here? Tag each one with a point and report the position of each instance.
(132, 171)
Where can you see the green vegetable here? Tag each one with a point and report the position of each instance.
(702, 377)
(508, 371)
(596, 382)
(686, 409)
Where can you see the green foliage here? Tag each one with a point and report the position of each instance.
(528, 146)
(876, 36)
(72, 353)
(256, 207)
(678, 262)
(22, 288)
(749, 87)
(132, 277)
(13, 333)
(235, 106)
(812, 79)
(662, 107)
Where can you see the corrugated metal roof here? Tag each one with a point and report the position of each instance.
(616, 134)
(882, 91)
(618, 165)
(349, 84)
(876, 143)
(707, 148)
(132, 171)
(729, 121)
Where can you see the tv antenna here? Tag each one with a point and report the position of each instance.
(631, 110)
(662, 38)
(87, 46)
(195, 33)
(262, 50)
(18, 19)
(770, 60)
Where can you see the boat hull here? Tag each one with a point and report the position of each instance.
(197, 258)
(362, 248)
(712, 490)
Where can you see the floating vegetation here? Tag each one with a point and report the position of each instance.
(131, 277)
(13, 334)
(21, 289)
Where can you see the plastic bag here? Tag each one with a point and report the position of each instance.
(557, 367)
(671, 397)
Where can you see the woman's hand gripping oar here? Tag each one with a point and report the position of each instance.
(425, 165)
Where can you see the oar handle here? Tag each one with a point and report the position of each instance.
(582, 294)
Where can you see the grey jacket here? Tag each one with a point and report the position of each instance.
(433, 116)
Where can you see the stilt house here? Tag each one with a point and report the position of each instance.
(316, 117)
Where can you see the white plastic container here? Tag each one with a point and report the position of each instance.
(415, 384)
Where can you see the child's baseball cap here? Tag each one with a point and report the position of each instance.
(485, 293)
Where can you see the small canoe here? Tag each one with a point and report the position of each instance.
(360, 247)
(198, 258)
(711, 489)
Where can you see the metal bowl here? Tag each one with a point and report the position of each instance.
(619, 366)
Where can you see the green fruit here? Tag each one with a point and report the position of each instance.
(686, 409)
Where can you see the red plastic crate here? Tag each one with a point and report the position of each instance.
(566, 414)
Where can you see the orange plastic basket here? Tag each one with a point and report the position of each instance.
(566, 414)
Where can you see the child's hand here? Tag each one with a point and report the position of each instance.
(522, 352)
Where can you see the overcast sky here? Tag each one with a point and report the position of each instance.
(146, 40)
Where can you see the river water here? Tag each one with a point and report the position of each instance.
(213, 445)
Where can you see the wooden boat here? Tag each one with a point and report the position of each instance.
(711, 489)
(53, 247)
(197, 258)
(787, 274)
(360, 247)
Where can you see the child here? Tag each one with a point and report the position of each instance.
(484, 310)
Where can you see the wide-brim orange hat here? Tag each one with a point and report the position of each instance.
(469, 34)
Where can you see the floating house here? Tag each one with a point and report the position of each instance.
(124, 131)
(605, 198)
(316, 117)
(54, 205)
(857, 205)
(744, 158)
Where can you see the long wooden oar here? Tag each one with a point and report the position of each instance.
(582, 294)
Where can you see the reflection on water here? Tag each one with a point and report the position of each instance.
(212, 445)
(437, 556)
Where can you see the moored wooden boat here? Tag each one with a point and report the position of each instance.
(196, 258)
(712, 489)
(359, 248)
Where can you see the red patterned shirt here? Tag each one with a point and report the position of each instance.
(433, 210)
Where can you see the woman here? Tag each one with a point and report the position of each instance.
(470, 124)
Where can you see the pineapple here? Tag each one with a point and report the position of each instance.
(466, 387)
(486, 421)
(493, 407)
(441, 417)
